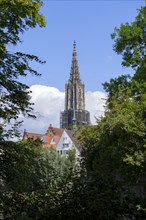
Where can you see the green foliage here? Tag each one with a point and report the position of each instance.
(130, 41)
(114, 152)
(16, 17)
(24, 206)
(110, 182)
(27, 166)
(114, 160)
(22, 163)
(71, 159)
(57, 169)
(35, 181)
(116, 87)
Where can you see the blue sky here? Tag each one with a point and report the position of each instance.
(90, 24)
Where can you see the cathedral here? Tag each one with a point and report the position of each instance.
(74, 113)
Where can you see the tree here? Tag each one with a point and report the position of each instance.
(114, 152)
(28, 167)
(36, 180)
(130, 42)
(16, 17)
(22, 165)
(116, 87)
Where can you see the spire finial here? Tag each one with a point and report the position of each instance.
(74, 44)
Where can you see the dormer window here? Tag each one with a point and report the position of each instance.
(43, 139)
(53, 141)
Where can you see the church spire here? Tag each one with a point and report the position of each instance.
(74, 113)
(74, 74)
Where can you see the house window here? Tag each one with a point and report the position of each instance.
(65, 145)
(53, 141)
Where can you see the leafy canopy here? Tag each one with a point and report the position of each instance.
(16, 16)
(130, 41)
(114, 152)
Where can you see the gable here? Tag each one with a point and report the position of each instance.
(65, 144)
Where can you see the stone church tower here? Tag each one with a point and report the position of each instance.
(74, 113)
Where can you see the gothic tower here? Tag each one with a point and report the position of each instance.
(74, 113)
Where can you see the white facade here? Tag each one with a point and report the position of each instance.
(65, 144)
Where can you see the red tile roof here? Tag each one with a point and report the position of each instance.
(50, 138)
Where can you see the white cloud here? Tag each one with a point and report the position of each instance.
(95, 102)
(49, 101)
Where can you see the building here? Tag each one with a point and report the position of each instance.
(50, 139)
(74, 113)
(68, 141)
(60, 139)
